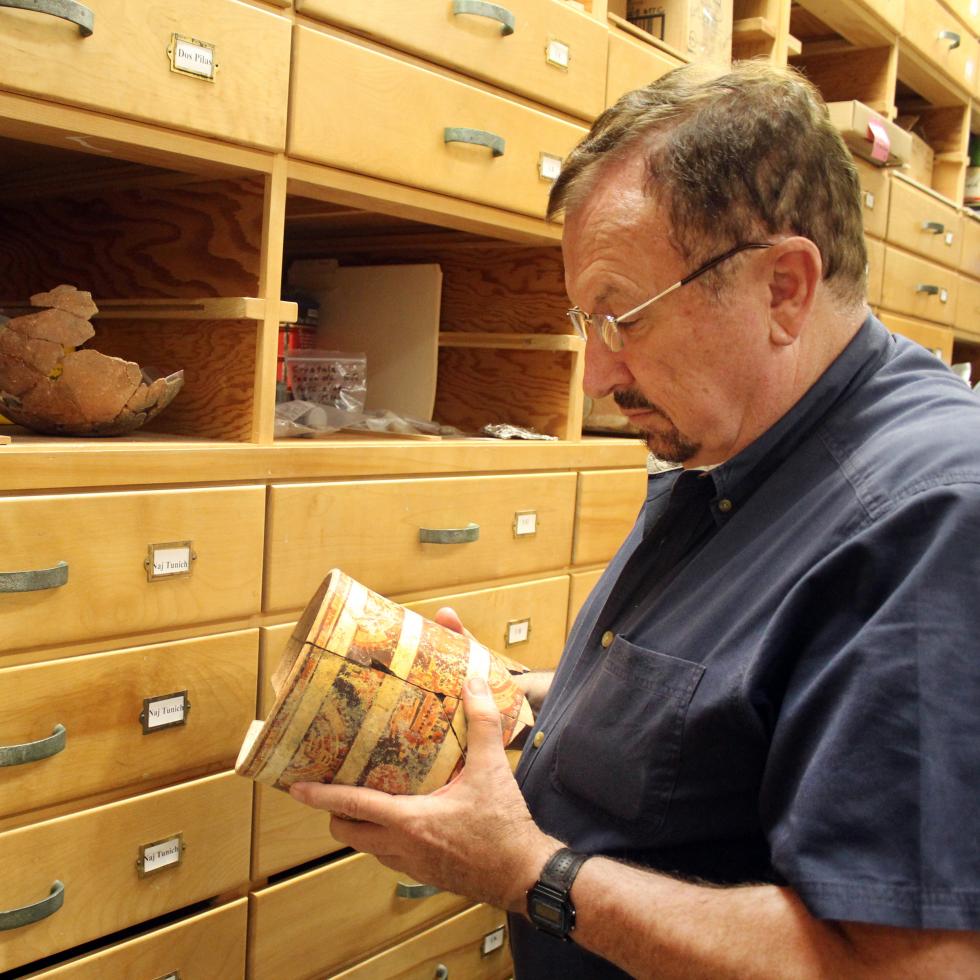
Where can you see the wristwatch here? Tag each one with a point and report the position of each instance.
(549, 902)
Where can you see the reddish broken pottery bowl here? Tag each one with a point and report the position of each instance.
(48, 386)
(368, 694)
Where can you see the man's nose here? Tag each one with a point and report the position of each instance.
(605, 371)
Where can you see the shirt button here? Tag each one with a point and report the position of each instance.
(538, 740)
(607, 639)
(725, 505)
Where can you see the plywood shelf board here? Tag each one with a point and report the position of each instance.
(753, 29)
(853, 20)
(510, 341)
(208, 308)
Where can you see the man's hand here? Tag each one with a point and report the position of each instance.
(474, 837)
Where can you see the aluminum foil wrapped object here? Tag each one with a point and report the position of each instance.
(368, 693)
(48, 386)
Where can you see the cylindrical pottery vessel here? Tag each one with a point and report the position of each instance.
(368, 694)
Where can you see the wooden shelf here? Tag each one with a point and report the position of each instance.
(210, 308)
(752, 29)
(512, 341)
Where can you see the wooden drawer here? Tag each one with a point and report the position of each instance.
(582, 583)
(96, 855)
(970, 255)
(924, 225)
(969, 12)
(365, 127)
(203, 947)
(633, 64)
(288, 833)
(99, 700)
(909, 286)
(939, 340)
(453, 949)
(476, 44)
(105, 537)
(892, 11)
(358, 913)
(874, 197)
(942, 39)
(608, 502)
(876, 269)
(124, 68)
(371, 530)
(967, 314)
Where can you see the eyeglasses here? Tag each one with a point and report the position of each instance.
(608, 328)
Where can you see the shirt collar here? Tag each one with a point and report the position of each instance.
(739, 476)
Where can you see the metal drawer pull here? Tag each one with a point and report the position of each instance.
(936, 227)
(27, 914)
(952, 37)
(460, 134)
(927, 288)
(481, 9)
(66, 9)
(442, 972)
(17, 755)
(405, 890)
(449, 535)
(36, 578)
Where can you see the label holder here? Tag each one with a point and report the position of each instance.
(146, 715)
(192, 56)
(145, 854)
(169, 559)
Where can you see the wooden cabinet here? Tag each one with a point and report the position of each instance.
(918, 288)
(218, 68)
(876, 269)
(458, 139)
(967, 314)
(399, 536)
(543, 49)
(633, 63)
(939, 35)
(282, 945)
(924, 223)
(607, 505)
(934, 338)
(875, 187)
(124, 863)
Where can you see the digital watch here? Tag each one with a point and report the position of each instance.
(549, 902)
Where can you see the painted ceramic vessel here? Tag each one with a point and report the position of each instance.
(368, 694)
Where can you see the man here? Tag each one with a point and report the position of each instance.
(761, 743)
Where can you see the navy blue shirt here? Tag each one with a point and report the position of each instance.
(776, 678)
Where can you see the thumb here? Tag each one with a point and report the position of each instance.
(483, 733)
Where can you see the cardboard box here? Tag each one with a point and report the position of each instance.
(701, 29)
(920, 162)
(857, 123)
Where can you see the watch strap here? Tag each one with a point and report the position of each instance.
(561, 868)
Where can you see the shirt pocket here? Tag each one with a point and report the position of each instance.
(620, 744)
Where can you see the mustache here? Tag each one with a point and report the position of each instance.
(631, 398)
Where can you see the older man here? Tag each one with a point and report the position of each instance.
(759, 754)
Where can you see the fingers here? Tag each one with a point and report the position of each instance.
(449, 618)
(347, 802)
(484, 741)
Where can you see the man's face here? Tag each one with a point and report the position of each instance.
(692, 371)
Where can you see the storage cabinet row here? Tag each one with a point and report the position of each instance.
(129, 679)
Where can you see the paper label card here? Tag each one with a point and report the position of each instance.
(189, 56)
(881, 142)
(869, 200)
(169, 560)
(557, 53)
(164, 711)
(525, 523)
(549, 166)
(518, 631)
(160, 854)
(492, 941)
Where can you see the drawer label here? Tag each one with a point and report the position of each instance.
(171, 976)
(189, 56)
(525, 523)
(492, 941)
(869, 200)
(160, 854)
(549, 166)
(557, 53)
(518, 631)
(164, 711)
(169, 560)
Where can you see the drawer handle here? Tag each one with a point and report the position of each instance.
(460, 134)
(931, 290)
(37, 578)
(449, 535)
(952, 37)
(405, 890)
(17, 755)
(936, 227)
(27, 914)
(481, 9)
(66, 9)
(442, 972)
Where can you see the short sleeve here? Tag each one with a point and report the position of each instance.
(870, 790)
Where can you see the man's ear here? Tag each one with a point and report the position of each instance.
(796, 272)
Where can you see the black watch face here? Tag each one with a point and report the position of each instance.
(550, 914)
